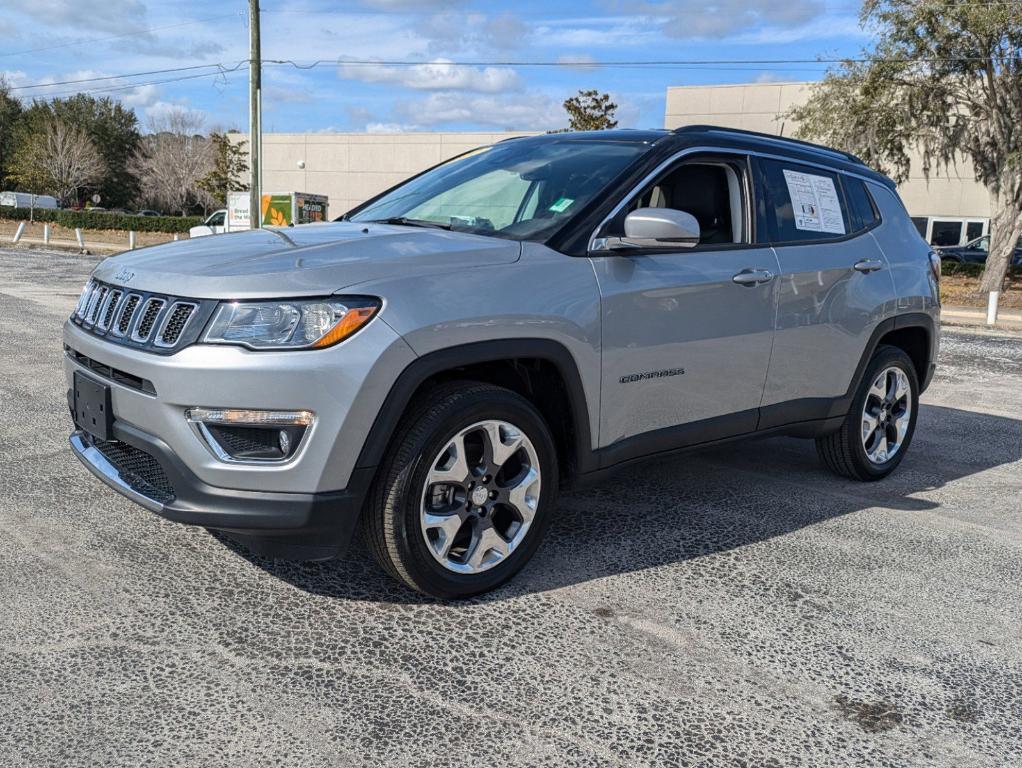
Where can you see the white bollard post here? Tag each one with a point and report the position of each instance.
(81, 240)
(131, 240)
(992, 307)
(175, 237)
(46, 234)
(19, 232)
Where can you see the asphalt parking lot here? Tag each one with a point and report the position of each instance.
(738, 607)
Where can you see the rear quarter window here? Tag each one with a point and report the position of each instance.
(862, 212)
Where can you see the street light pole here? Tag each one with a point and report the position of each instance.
(255, 127)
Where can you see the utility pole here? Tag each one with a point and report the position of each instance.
(255, 117)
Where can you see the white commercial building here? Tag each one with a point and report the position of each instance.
(349, 168)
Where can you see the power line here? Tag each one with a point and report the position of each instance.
(131, 86)
(220, 68)
(729, 64)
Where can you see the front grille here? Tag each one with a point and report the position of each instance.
(155, 323)
(175, 323)
(142, 473)
(150, 312)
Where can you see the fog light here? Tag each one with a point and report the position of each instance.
(250, 436)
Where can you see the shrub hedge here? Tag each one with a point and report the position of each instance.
(104, 220)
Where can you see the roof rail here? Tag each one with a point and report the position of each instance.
(771, 139)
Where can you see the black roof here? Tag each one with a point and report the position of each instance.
(626, 135)
(715, 135)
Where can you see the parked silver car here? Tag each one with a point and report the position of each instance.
(442, 360)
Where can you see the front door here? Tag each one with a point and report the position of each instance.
(687, 333)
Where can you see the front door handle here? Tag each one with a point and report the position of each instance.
(753, 277)
(868, 265)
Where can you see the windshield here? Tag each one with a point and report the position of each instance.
(520, 190)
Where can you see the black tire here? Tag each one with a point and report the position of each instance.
(392, 523)
(843, 451)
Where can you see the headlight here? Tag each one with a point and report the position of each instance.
(302, 324)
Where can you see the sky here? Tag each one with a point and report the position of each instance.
(362, 80)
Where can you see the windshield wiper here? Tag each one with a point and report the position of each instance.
(405, 221)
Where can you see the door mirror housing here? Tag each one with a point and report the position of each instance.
(659, 228)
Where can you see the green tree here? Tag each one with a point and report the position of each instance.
(590, 111)
(112, 128)
(943, 79)
(229, 168)
(10, 113)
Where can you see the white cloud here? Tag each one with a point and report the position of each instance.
(391, 127)
(115, 16)
(437, 75)
(160, 110)
(410, 5)
(143, 96)
(827, 27)
(506, 112)
(476, 33)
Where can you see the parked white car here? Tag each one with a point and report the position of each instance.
(27, 200)
(214, 225)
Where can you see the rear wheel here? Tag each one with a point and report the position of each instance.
(880, 424)
(464, 495)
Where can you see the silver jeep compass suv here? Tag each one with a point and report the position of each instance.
(443, 358)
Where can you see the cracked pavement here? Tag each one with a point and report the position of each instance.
(736, 607)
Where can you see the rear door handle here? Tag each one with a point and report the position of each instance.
(868, 265)
(753, 276)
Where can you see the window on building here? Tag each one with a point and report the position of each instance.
(946, 232)
(921, 222)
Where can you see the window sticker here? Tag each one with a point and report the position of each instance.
(814, 202)
(561, 205)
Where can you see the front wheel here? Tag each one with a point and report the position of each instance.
(464, 495)
(876, 433)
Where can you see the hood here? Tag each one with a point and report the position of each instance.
(308, 260)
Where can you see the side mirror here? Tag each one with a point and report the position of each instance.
(662, 228)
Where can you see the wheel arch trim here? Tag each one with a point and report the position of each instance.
(423, 368)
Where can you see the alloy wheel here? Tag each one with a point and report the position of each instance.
(886, 415)
(480, 496)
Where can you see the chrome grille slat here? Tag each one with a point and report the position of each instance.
(126, 314)
(93, 295)
(175, 321)
(147, 319)
(83, 299)
(96, 304)
(106, 314)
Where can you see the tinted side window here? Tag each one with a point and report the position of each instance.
(861, 211)
(802, 203)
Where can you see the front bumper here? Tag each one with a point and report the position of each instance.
(143, 468)
(344, 386)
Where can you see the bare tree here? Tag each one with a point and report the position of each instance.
(62, 159)
(174, 157)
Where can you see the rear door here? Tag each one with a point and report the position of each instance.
(833, 289)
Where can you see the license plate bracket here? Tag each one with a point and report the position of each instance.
(92, 410)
